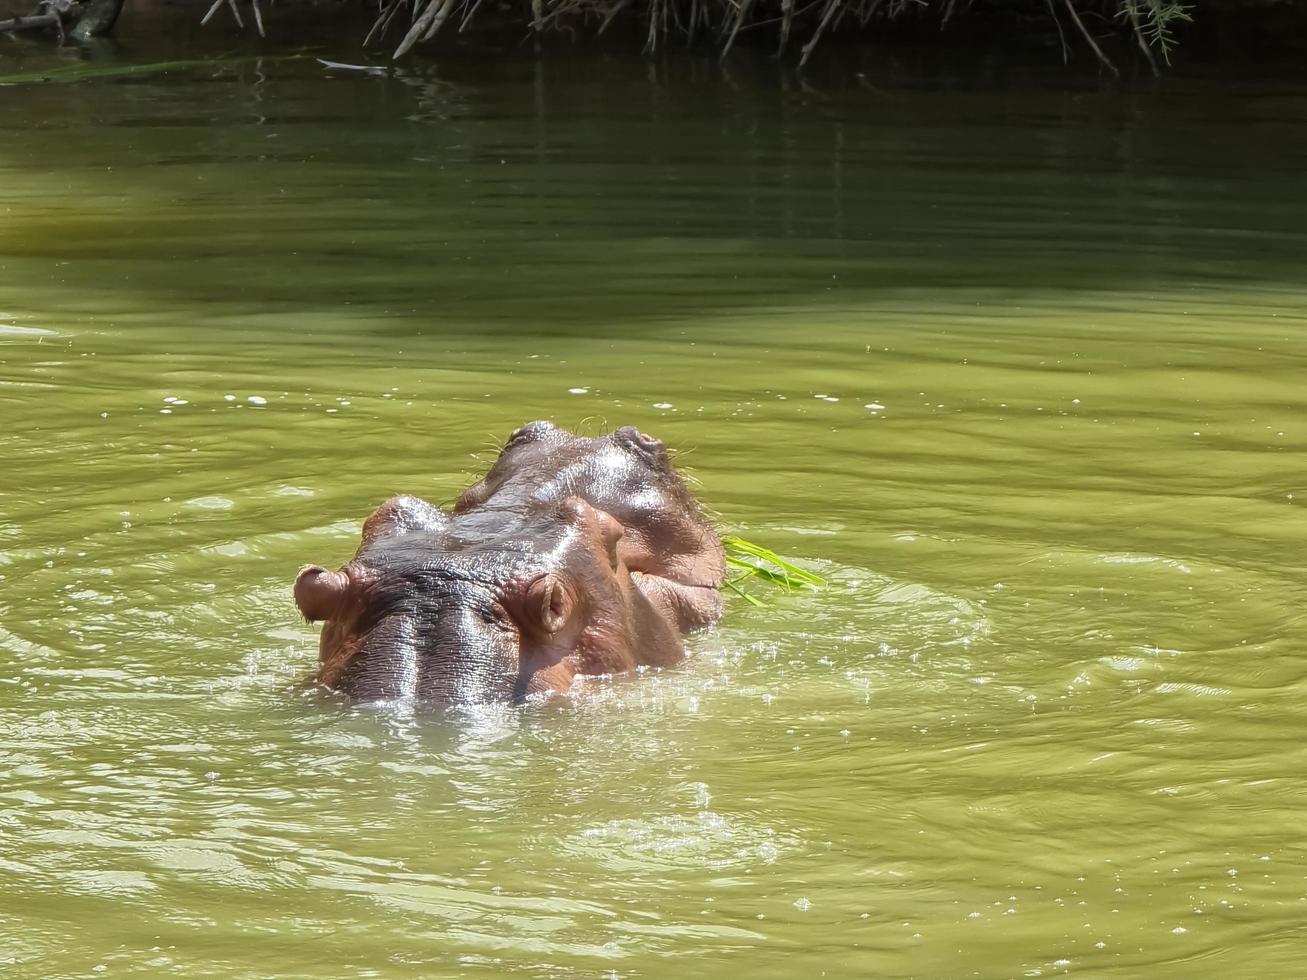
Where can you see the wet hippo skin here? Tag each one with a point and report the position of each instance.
(572, 556)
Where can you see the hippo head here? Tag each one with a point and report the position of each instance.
(527, 582)
(628, 475)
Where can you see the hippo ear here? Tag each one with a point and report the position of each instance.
(548, 603)
(320, 594)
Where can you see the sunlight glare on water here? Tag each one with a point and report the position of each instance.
(1017, 368)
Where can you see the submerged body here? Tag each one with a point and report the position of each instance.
(572, 556)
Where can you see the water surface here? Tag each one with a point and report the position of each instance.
(1014, 361)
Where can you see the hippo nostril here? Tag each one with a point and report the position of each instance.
(641, 439)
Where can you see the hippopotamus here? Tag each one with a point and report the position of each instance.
(572, 556)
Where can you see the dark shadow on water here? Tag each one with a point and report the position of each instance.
(570, 193)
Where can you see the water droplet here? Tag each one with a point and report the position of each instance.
(578, 391)
(802, 904)
(257, 400)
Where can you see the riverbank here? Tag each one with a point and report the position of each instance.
(1105, 38)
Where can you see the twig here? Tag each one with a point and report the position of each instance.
(831, 7)
(419, 28)
(258, 17)
(379, 23)
(382, 23)
(869, 12)
(1052, 12)
(787, 18)
(740, 17)
(212, 10)
(768, 21)
(467, 17)
(33, 23)
(236, 12)
(1133, 13)
(651, 42)
(446, 9)
(1102, 58)
(613, 12)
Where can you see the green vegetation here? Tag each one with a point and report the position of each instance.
(752, 561)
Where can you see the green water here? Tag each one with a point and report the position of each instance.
(1049, 714)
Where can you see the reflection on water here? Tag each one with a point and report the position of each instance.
(1016, 366)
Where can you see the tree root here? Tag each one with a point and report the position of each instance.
(1145, 24)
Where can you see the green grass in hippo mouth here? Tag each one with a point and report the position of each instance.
(753, 561)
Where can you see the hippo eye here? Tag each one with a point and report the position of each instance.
(528, 433)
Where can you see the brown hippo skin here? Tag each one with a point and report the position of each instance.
(572, 556)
